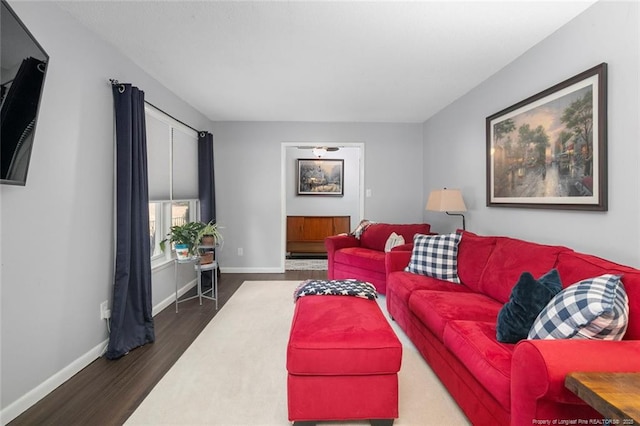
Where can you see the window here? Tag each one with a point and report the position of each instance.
(172, 156)
(155, 228)
(162, 216)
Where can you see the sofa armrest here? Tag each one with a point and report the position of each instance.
(403, 247)
(337, 242)
(396, 260)
(539, 369)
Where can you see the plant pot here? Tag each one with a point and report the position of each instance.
(206, 258)
(208, 240)
(182, 251)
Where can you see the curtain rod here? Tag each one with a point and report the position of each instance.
(115, 82)
(179, 121)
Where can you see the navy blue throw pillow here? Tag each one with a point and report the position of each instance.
(528, 298)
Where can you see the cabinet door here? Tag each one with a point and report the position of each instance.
(341, 225)
(317, 228)
(295, 228)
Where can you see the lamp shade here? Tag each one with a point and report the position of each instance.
(446, 200)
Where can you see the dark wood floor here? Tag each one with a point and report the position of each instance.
(108, 392)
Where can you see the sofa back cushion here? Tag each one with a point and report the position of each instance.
(510, 258)
(473, 253)
(376, 235)
(574, 267)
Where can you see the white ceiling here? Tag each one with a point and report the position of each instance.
(345, 61)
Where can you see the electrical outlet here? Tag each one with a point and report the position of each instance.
(240, 251)
(105, 313)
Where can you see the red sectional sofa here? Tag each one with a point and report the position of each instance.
(364, 258)
(454, 328)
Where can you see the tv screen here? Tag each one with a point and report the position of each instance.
(23, 66)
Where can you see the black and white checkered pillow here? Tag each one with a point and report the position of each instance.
(435, 256)
(596, 308)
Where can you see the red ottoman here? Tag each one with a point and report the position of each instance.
(343, 360)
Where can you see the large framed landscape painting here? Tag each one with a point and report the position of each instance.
(320, 177)
(550, 150)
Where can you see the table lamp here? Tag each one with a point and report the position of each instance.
(447, 200)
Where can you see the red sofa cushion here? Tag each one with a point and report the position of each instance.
(510, 258)
(405, 283)
(361, 258)
(337, 242)
(574, 267)
(474, 344)
(376, 235)
(341, 335)
(436, 308)
(473, 253)
(403, 247)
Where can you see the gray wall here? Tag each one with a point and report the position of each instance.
(249, 181)
(57, 231)
(454, 139)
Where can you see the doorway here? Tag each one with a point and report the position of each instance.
(350, 203)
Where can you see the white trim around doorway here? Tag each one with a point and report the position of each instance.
(283, 183)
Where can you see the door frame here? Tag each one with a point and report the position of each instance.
(284, 177)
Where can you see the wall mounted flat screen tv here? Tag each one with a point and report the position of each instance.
(23, 66)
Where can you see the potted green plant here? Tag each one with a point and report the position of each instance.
(209, 237)
(186, 239)
(210, 234)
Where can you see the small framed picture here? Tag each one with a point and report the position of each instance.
(320, 177)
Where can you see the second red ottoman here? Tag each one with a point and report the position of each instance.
(343, 360)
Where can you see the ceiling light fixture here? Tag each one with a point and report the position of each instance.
(319, 151)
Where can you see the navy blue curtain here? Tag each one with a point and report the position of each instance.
(206, 189)
(206, 178)
(131, 311)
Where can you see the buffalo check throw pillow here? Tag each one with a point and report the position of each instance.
(595, 308)
(435, 256)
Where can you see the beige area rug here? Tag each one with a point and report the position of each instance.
(234, 373)
(305, 264)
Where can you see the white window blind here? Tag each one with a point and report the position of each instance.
(158, 158)
(172, 153)
(185, 165)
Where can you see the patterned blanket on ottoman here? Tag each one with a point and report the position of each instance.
(348, 287)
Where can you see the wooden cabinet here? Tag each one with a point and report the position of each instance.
(306, 234)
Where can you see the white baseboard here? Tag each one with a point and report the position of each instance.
(30, 398)
(25, 402)
(243, 270)
(172, 297)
